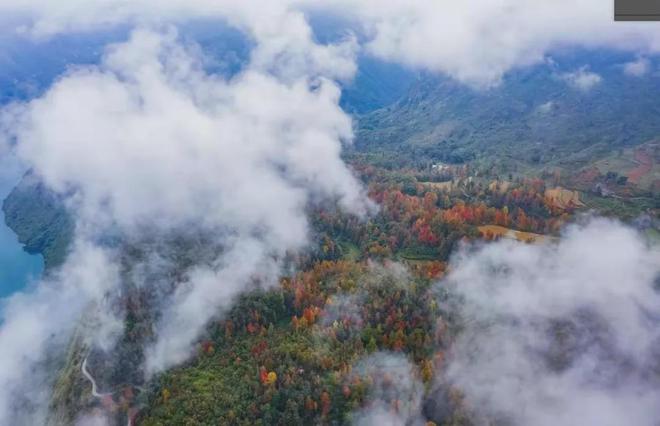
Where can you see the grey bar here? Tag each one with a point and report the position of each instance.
(637, 17)
(636, 10)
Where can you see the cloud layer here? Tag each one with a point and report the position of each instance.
(395, 394)
(477, 42)
(146, 145)
(148, 140)
(38, 324)
(165, 144)
(560, 334)
(582, 79)
(474, 41)
(637, 68)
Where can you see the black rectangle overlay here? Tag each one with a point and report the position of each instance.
(637, 10)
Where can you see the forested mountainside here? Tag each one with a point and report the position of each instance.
(377, 85)
(40, 220)
(295, 353)
(537, 117)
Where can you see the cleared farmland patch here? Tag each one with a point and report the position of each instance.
(496, 231)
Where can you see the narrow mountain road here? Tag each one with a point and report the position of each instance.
(88, 376)
(95, 391)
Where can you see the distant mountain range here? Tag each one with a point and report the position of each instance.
(569, 112)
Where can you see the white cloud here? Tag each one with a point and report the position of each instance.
(637, 68)
(560, 334)
(395, 393)
(148, 143)
(582, 79)
(283, 39)
(473, 41)
(93, 420)
(477, 42)
(202, 149)
(546, 107)
(147, 140)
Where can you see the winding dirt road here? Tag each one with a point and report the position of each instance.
(88, 376)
